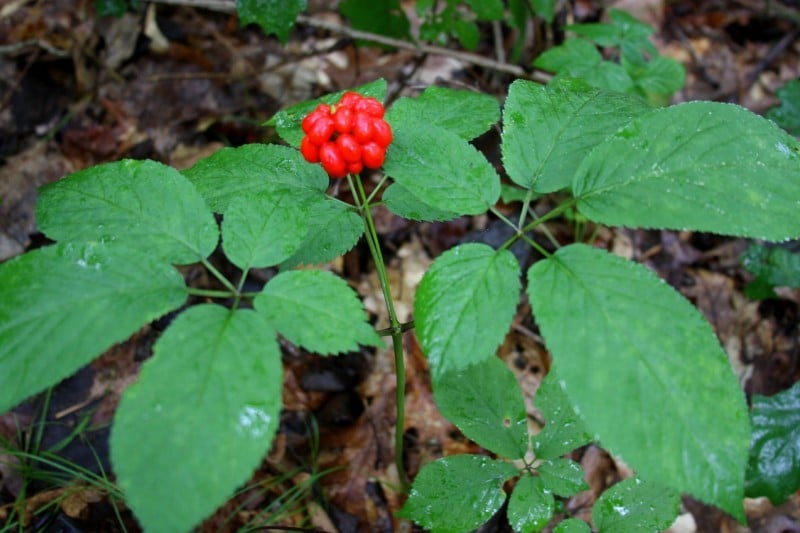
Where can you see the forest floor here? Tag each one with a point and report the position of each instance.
(175, 83)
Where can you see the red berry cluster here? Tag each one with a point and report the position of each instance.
(347, 136)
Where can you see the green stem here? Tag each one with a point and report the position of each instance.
(396, 329)
(217, 274)
(209, 293)
(558, 211)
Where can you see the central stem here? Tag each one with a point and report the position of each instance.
(362, 202)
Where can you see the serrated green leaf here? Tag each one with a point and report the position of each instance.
(774, 466)
(633, 506)
(273, 16)
(464, 305)
(333, 228)
(564, 430)
(547, 131)
(787, 114)
(201, 417)
(531, 505)
(776, 266)
(697, 166)
(563, 477)
(63, 305)
(266, 228)
(544, 9)
(251, 169)
(465, 113)
(316, 310)
(574, 54)
(287, 121)
(449, 173)
(661, 76)
(384, 18)
(467, 32)
(485, 402)
(458, 493)
(648, 351)
(572, 525)
(403, 203)
(144, 204)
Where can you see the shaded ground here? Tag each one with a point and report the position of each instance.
(175, 83)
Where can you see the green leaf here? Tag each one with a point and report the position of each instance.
(544, 9)
(458, 493)
(633, 506)
(316, 310)
(662, 76)
(485, 402)
(467, 32)
(401, 202)
(487, 9)
(697, 166)
(468, 114)
(251, 169)
(547, 131)
(777, 266)
(144, 204)
(333, 228)
(273, 16)
(562, 477)
(113, 8)
(787, 114)
(201, 417)
(531, 505)
(443, 169)
(287, 121)
(385, 18)
(671, 407)
(265, 229)
(774, 467)
(572, 525)
(564, 430)
(573, 55)
(63, 305)
(464, 305)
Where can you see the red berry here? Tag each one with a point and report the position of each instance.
(355, 168)
(349, 99)
(309, 150)
(322, 110)
(371, 107)
(382, 132)
(343, 119)
(362, 127)
(321, 130)
(372, 155)
(332, 161)
(349, 147)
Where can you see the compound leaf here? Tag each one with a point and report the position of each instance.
(464, 305)
(63, 305)
(633, 505)
(531, 505)
(485, 402)
(317, 310)
(273, 16)
(204, 438)
(697, 166)
(458, 493)
(774, 467)
(618, 332)
(144, 204)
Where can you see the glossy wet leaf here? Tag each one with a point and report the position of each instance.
(251, 169)
(464, 305)
(572, 525)
(465, 113)
(547, 131)
(63, 305)
(402, 202)
(444, 169)
(531, 505)
(334, 227)
(634, 506)
(618, 333)
(200, 418)
(485, 402)
(458, 493)
(774, 466)
(144, 204)
(266, 228)
(273, 16)
(564, 430)
(317, 310)
(697, 166)
(563, 477)
(287, 121)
